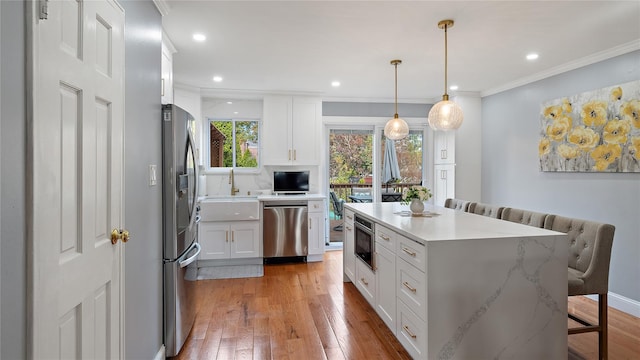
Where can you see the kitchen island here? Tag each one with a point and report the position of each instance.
(454, 285)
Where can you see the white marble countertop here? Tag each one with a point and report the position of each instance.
(442, 224)
(274, 197)
(270, 197)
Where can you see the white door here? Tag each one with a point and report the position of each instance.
(76, 178)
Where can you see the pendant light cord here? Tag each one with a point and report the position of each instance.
(396, 66)
(445, 59)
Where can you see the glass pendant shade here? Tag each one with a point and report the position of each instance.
(396, 128)
(445, 115)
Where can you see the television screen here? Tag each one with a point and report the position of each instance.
(295, 182)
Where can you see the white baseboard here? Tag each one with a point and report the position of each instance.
(619, 302)
(160, 354)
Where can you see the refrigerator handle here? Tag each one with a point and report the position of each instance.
(189, 260)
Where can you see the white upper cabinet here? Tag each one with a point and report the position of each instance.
(291, 130)
(166, 90)
(444, 147)
(444, 159)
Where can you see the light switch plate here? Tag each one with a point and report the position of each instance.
(153, 180)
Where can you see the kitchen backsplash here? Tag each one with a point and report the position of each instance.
(251, 183)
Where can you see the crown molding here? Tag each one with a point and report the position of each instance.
(377, 100)
(572, 65)
(163, 6)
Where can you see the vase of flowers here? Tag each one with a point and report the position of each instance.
(415, 197)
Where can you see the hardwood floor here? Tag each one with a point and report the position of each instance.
(305, 311)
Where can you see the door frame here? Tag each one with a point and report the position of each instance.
(31, 46)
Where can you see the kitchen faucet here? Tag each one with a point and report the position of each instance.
(234, 190)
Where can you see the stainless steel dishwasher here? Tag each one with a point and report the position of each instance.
(285, 230)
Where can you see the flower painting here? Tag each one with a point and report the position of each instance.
(592, 131)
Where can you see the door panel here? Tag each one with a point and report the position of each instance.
(76, 170)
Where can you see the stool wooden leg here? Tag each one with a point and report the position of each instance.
(604, 325)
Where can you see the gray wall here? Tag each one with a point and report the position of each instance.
(510, 175)
(12, 222)
(143, 203)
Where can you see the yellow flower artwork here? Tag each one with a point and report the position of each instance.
(597, 130)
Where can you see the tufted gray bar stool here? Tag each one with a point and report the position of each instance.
(486, 210)
(525, 217)
(457, 204)
(589, 256)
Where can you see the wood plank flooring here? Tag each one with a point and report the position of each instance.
(305, 311)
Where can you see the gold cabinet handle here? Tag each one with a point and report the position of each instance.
(406, 284)
(406, 329)
(364, 281)
(226, 236)
(384, 237)
(349, 228)
(121, 234)
(294, 154)
(349, 217)
(289, 154)
(411, 253)
(232, 233)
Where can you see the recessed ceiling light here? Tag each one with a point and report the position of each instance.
(217, 78)
(199, 37)
(229, 102)
(335, 83)
(532, 56)
(235, 112)
(453, 87)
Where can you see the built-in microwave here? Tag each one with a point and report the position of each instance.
(364, 241)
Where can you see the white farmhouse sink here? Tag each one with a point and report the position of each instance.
(229, 208)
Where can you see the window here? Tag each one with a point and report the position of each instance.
(408, 155)
(233, 143)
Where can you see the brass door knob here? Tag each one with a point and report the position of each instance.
(119, 234)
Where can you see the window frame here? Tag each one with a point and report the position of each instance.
(207, 147)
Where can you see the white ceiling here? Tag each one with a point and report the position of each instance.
(302, 46)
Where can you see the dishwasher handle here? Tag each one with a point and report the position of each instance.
(285, 206)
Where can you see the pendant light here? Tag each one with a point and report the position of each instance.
(445, 115)
(396, 128)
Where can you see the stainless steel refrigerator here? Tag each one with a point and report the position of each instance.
(180, 225)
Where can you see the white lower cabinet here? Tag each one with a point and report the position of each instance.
(316, 231)
(411, 287)
(229, 240)
(385, 285)
(411, 331)
(366, 282)
(348, 247)
(397, 289)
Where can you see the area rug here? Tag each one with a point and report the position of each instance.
(230, 272)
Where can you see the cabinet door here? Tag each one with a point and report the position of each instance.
(385, 285)
(214, 239)
(349, 257)
(305, 134)
(444, 147)
(245, 240)
(276, 130)
(316, 233)
(444, 183)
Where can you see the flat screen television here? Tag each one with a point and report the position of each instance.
(290, 182)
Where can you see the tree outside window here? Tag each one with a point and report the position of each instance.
(233, 143)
